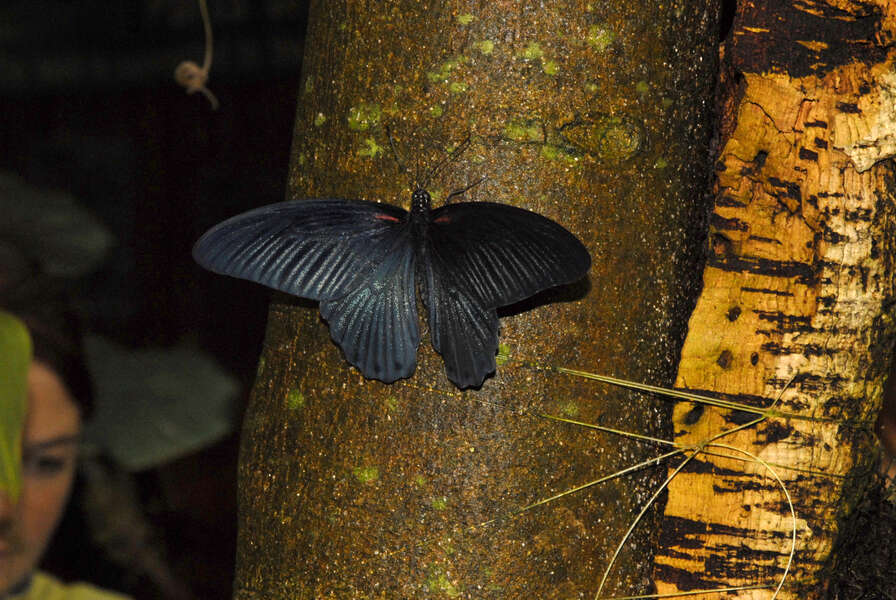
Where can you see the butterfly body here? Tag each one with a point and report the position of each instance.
(364, 262)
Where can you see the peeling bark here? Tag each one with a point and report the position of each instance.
(800, 280)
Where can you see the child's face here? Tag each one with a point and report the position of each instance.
(49, 453)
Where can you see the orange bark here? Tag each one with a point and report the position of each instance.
(800, 282)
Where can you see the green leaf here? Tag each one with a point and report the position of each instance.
(15, 357)
(51, 229)
(154, 405)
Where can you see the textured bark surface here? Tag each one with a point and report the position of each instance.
(594, 114)
(800, 281)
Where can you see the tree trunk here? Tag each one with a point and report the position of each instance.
(800, 281)
(594, 114)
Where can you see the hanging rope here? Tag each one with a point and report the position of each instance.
(192, 76)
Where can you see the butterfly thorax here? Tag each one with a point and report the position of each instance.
(419, 218)
(420, 203)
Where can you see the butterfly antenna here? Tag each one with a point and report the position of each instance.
(395, 154)
(452, 156)
(417, 183)
(463, 191)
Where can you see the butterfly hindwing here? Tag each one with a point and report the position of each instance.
(461, 329)
(504, 254)
(355, 257)
(376, 323)
(317, 249)
(481, 256)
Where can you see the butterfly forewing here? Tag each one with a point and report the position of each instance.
(502, 253)
(317, 249)
(355, 257)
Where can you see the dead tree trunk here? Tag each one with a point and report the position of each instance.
(594, 114)
(800, 281)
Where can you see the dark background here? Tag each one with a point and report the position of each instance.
(89, 106)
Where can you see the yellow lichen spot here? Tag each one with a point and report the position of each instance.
(453, 63)
(550, 67)
(524, 131)
(661, 163)
(641, 87)
(620, 140)
(457, 87)
(370, 149)
(570, 409)
(320, 119)
(366, 474)
(391, 403)
(465, 19)
(607, 137)
(552, 152)
(564, 153)
(436, 111)
(444, 70)
(484, 46)
(295, 399)
(309, 85)
(600, 37)
(438, 583)
(440, 503)
(503, 354)
(363, 116)
(533, 51)
(419, 480)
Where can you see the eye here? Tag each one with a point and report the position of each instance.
(45, 465)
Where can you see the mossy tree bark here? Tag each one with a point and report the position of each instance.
(800, 281)
(594, 114)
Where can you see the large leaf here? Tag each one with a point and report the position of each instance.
(154, 405)
(50, 228)
(15, 356)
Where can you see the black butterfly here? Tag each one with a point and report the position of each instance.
(363, 260)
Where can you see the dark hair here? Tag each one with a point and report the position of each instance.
(56, 336)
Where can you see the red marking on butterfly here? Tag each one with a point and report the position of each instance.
(385, 217)
(443, 219)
